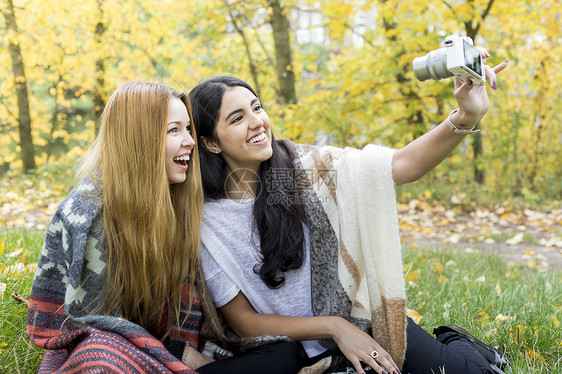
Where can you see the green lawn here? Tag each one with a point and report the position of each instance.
(512, 307)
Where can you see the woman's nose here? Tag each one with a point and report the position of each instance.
(256, 121)
(188, 141)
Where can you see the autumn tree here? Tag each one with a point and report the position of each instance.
(99, 97)
(283, 52)
(353, 79)
(473, 14)
(20, 84)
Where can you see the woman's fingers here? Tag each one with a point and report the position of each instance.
(381, 362)
(491, 76)
(359, 347)
(499, 67)
(464, 88)
(492, 72)
(483, 52)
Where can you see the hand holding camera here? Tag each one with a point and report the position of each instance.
(459, 58)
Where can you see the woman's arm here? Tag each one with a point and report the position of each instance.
(423, 154)
(355, 344)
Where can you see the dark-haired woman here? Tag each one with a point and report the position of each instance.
(303, 241)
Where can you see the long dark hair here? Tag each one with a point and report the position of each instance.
(277, 213)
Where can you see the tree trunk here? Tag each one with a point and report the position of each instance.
(54, 120)
(415, 118)
(99, 101)
(472, 31)
(538, 122)
(477, 148)
(20, 83)
(281, 38)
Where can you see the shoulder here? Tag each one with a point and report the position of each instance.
(79, 209)
(303, 152)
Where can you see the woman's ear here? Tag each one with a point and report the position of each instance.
(210, 145)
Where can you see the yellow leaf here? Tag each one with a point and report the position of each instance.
(442, 278)
(529, 252)
(427, 194)
(483, 316)
(413, 276)
(415, 316)
(555, 321)
(533, 355)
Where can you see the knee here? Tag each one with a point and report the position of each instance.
(289, 357)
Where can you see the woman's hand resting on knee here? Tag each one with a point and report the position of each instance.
(357, 346)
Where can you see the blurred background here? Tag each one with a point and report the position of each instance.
(329, 72)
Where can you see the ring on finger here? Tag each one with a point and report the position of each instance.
(374, 354)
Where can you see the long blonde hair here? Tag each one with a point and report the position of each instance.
(151, 228)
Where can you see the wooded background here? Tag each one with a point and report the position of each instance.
(336, 72)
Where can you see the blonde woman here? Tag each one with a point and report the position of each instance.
(116, 286)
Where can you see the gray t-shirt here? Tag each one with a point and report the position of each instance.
(230, 249)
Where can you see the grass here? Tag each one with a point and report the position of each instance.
(514, 308)
(19, 250)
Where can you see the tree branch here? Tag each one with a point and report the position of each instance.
(487, 10)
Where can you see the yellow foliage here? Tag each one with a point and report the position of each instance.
(415, 316)
(355, 88)
(413, 276)
(483, 316)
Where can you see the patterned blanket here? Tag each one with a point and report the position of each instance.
(64, 310)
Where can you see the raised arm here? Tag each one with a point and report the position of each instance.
(423, 154)
(355, 344)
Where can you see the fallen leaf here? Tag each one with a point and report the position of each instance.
(415, 316)
(501, 318)
(483, 316)
(515, 240)
(533, 355)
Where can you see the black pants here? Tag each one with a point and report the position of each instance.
(424, 355)
(275, 358)
(427, 355)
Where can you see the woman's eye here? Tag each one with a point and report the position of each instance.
(188, 129)
(236, 119)
(257, 108)
(174, 129)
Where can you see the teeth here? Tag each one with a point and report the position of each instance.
(258, 138)
(182, 158)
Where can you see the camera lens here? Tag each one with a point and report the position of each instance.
(421, 69)
(433, 65)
